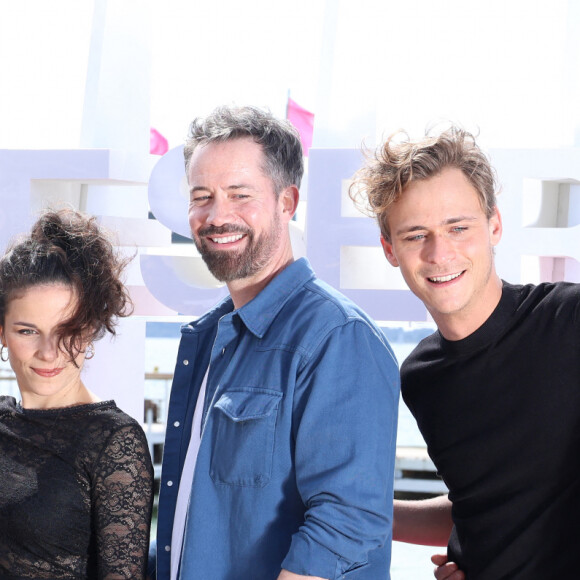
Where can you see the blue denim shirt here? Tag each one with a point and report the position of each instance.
(295, 468)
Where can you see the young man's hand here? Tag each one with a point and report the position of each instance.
(446, 570)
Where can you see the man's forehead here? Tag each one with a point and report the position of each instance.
(411, 224)
(229, 172)
(423, 211)
(223, 156)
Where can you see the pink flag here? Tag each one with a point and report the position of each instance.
(303, 120)
(157, 143)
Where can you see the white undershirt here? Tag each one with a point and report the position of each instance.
(184, 491)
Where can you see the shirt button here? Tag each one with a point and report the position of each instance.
(169, 483)
(185, 362)
(167, 548)
(223, 351)
(176, 424)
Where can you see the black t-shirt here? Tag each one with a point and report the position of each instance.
(75, 493)
(500, 412)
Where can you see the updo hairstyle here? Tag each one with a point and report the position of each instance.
(67, 247)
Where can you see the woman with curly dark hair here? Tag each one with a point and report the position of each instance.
(75, 472)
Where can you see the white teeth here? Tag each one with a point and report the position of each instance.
(227, 240)
(444, 278)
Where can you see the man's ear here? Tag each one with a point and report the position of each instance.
(495, 227)
(288, 200)
(388, 250)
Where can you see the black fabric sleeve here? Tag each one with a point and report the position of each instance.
(122, 502)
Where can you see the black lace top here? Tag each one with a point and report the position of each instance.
(76, 488)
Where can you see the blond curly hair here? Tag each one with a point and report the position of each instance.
(400, 161)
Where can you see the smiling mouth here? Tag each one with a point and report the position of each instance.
(442, 279)
(227, 239)
(47, 372)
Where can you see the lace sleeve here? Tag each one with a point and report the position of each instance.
(122, 503)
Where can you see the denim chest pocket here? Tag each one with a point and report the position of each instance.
(245, 427)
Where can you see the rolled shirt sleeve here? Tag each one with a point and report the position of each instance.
(346, 404)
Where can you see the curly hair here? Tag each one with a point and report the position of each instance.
(280, 141)
(400, 161)
(69, 248)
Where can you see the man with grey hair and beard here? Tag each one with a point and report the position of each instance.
(280, 444)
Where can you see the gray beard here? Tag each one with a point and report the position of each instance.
(227, 266)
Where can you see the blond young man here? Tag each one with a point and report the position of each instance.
(495, 391)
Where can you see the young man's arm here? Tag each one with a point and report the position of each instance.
(285, 575)
(427, 522)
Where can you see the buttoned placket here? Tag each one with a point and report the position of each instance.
(187, 370)
(221, 356)
(226, 334)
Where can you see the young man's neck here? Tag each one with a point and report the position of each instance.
(460, 325)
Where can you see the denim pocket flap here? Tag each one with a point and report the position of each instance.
(244, 405)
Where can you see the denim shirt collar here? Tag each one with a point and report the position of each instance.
(259, 313)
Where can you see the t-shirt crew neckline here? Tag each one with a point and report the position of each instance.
(490, 331)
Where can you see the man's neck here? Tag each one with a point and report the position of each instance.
(246, 289)
(460, 325)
